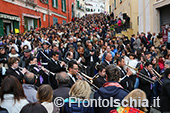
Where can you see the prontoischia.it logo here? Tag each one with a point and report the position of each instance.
(111, 102)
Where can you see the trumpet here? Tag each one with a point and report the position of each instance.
(21, 68)
(48, 71)
(141, 75)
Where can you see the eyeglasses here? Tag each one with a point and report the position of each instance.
(76, 68)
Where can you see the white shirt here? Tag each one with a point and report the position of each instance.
(107, 62)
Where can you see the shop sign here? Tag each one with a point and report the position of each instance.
(9, 17)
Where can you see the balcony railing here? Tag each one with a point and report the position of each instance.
(29, 2)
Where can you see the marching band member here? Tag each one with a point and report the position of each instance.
(54, 65)
(72, 72)
(125, 79)
(34, 68)
(47, 52)
(14, 70)
(145, 85)
(101, 79)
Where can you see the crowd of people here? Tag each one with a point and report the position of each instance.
(59, 61)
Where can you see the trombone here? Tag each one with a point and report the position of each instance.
(141, 75)
(88, 79)
(158, 77)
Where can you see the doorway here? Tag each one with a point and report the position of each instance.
(7, 28)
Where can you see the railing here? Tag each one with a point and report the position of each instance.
(29, 2)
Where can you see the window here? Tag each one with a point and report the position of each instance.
(115, 3)
(55, 3)
(110, 9)
(44, 17)
(64, 21)
(44, 1)
(98, 10)
(63, 5)
(78, 4)
(55, 20)
(120, 1)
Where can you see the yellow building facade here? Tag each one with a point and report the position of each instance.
(130, 7)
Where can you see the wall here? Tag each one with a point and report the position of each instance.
(130, 7)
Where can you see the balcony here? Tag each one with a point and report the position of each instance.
(29, 2)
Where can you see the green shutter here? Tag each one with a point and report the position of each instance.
(35, 23)
(62, 4)
(53, 2)
(16, 25)
(1, 28)
(56, 3)
(115, 3)
(120, 0)
(65, 5)
(78, 4)
(26, 23)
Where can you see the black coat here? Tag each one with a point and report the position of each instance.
(55, 67)
(104, 63)
(165, 96)
(32, 68)
(145, 85)
(12, 72)
(126, 81)
(87, 56)
(59, 91)
(99, 81)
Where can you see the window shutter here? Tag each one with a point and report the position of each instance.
(1, 28)
(53, 3)
(78, 5)
(56, 3)
(35, 23)
(65, 5)
(25, 23)
(62, 5)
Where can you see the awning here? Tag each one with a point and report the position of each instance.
(31, 16)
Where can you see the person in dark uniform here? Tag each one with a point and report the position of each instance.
(55, 66)
(48, 52)
(39, 72)
(100, 80)
(91, 59)
(72, 72)
(14, 70)
(125, 79)
(165, 92)
(145, 85)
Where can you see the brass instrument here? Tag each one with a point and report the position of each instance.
(21, 68)
(141, 75)
(49, 72)
(88, 79)
(158, 77)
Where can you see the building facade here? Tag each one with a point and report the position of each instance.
(127, 7)
(79, 8)
(94, 6)
(154, 15)
(22, 15)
